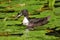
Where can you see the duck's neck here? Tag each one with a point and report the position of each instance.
(25, 21)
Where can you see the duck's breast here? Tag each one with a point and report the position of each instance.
(25, 21)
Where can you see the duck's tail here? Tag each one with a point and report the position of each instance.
(45, 20)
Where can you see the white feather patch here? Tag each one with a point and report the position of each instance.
(25, 21)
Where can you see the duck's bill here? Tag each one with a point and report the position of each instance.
(18, 16)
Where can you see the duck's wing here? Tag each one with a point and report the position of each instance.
(36, 20)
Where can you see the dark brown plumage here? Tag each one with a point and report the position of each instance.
(33, 22)
(37, 22)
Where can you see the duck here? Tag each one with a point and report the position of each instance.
(31, 22)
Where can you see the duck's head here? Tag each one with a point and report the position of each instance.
(23, 12)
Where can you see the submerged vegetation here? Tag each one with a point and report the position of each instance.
(37, 9)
